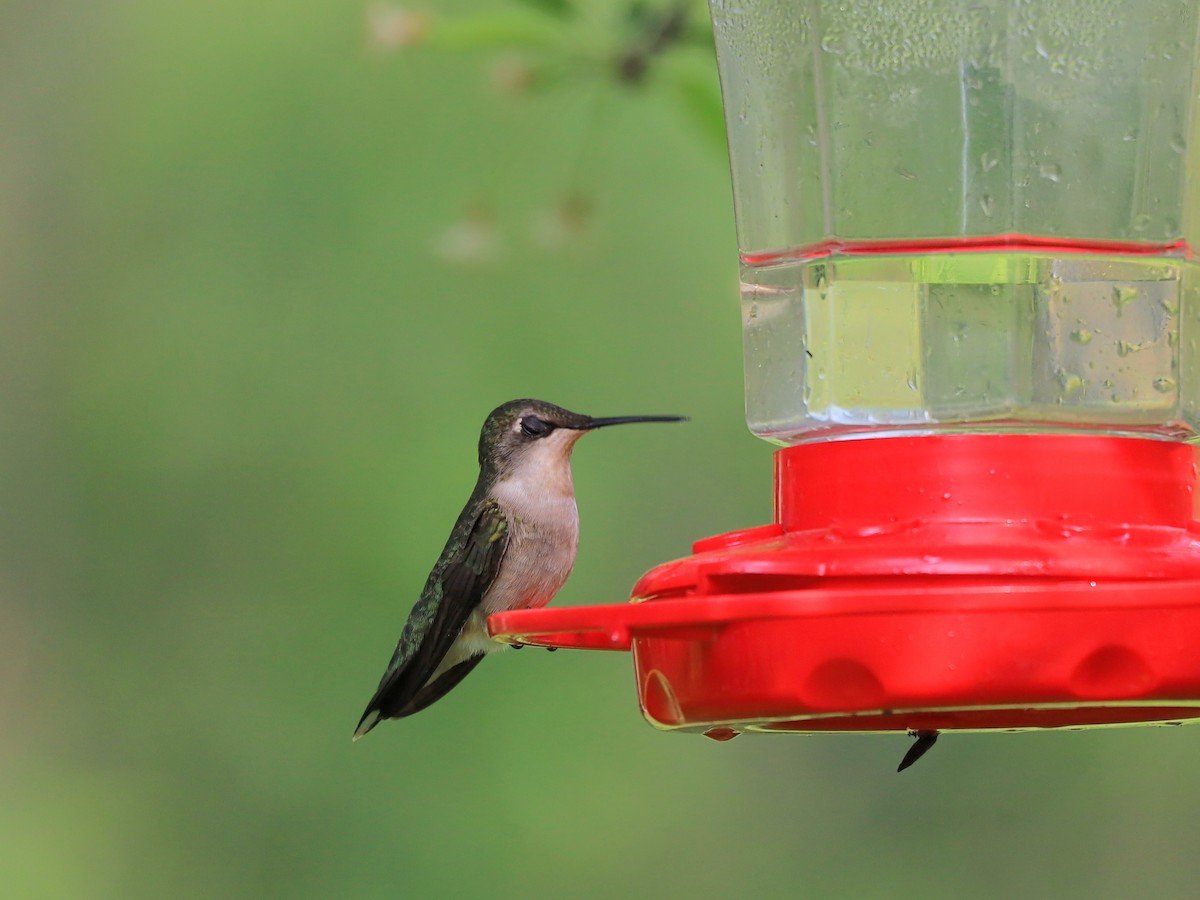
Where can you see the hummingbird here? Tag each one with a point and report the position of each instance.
(512, 547)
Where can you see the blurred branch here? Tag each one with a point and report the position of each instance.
(540, 45)
(642, 44)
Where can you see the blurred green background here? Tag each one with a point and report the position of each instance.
(261, 280)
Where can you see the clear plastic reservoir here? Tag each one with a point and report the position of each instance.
(965, 216)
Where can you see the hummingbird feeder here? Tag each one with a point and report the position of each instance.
(971, 319)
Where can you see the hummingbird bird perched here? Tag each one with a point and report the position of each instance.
(512, 547)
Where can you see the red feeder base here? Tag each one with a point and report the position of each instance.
(954, 582)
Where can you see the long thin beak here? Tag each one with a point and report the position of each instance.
(622, 420)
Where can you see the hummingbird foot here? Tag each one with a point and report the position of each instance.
(517, 646)
(924, 740)
(551, 649)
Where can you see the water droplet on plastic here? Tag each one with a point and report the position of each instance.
(988, 161)
(1177, 143)
(1141, 222)
(906, 174)
(1123, 295)
(1054, 288)
(1082, 336)
(1070, 382)
(721, 733)
(1164, 385)
(988, 204)
(1050, 171)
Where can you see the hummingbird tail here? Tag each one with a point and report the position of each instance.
(440, 686)
(369, 720)
(387, 704)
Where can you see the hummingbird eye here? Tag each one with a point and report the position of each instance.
(532, 426)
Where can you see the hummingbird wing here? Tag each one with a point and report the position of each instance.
(455, 589)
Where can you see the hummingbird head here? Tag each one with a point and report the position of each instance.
(534, 438)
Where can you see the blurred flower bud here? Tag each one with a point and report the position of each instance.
(470, 241)
(511, 74)
(389, 27)
(564, 223)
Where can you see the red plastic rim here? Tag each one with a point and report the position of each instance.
(971, 582)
